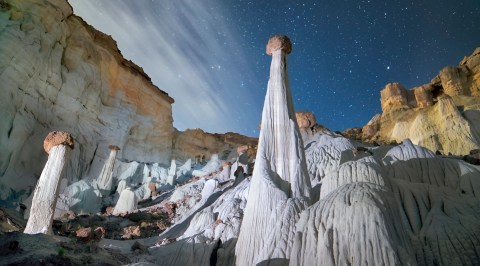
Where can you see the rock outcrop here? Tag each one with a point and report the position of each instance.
(308, 126)
(442, 115)
(195, 144)
(58, 72)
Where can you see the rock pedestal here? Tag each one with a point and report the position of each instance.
(104, 182)
(58, 145)
(280, 186)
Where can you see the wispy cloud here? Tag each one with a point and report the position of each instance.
(189, 50)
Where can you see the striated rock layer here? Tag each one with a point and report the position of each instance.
(59, 73)
(196, 144)
(442, 115)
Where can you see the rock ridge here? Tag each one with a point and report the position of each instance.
(441, 115)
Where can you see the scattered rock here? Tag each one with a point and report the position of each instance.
(131, 232)
(85, 234)
(99, 233)
(109, 210)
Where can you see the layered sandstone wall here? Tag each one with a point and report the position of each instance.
(442, 115)
(196, 144)
(59, 73)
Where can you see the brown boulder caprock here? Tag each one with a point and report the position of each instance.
(113, 147)
(305, 119)
(55, 138)
(278, 42)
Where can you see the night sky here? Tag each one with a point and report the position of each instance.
(209, 55)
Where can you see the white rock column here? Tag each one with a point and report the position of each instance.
(58, 145)
(280, 186)
(172, 173)
(104, 181)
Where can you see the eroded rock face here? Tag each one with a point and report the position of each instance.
(57, 72)
(372, 127)
(196, 143)
(453, 80)
(443, 115)
(393, 96)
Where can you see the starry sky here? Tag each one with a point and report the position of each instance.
(209, 55)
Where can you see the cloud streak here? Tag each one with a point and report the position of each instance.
(190, 51)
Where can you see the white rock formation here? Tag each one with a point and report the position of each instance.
(126, 203)
(359, 224)
(209, 188)
(224, 175)
(81, 197)
(212, 231)
(104, 181)
(212, 166)
(185, 168)
(172, 173)
(323, 155)
(410, 206)
(280, 187)
(122, 185)
(58, 145)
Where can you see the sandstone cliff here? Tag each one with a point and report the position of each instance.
(59, 73)
(442, 115)
(195, 144)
